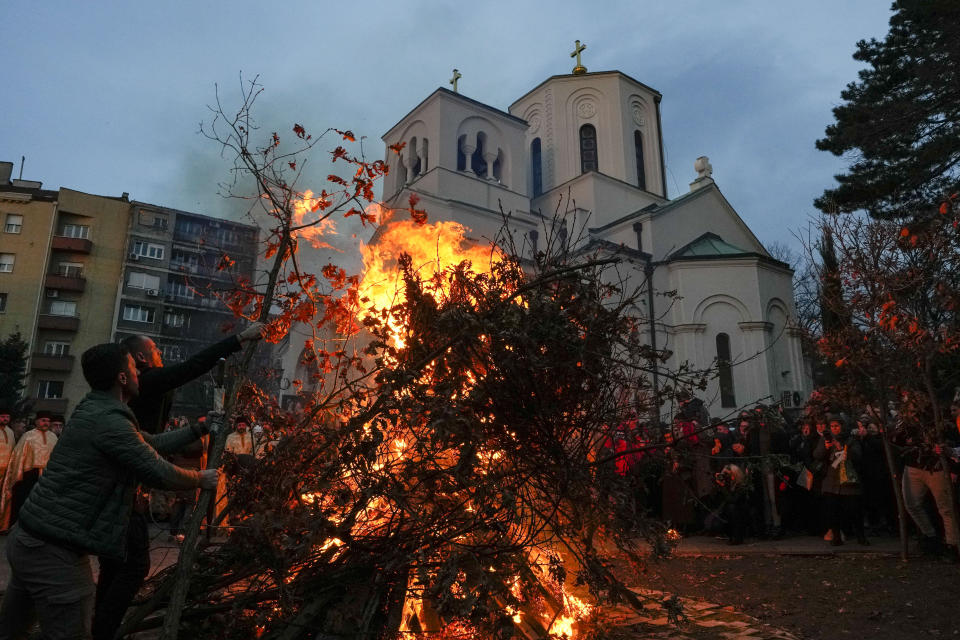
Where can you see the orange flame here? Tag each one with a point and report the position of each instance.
(309, 210)
(433, 248)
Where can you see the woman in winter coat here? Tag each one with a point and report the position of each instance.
(842, 491)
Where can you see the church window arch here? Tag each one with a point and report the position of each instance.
(498, 166)
(728, 397)
(638, 149)
(588, 148)
(425, 155)
(536, 167)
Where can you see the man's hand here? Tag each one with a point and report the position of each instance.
(209, 478)
(251, 333)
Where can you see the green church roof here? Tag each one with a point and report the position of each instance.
(709, 244)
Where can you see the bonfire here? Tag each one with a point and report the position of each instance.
(451, 479)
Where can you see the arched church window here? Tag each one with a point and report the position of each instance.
(415, 162)
(638, 148)
(425, 155)
(725, 372)
(536, 168)
(461, 157)
(477, 164)
(498, 166)
(588, 148)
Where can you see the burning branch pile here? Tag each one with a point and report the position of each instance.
(446, 483)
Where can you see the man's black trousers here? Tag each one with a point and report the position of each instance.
(120, 580)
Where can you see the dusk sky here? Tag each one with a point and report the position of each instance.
(107, 97)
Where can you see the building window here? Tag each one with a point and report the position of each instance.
(178, 288)
(172, 352)
(137, 313)
(63, 308)
(725, 372)
(50, 389)
(13, 224)
(139, 280)
(56, 348)
(70, 269)
(175, 320)
(588, 148)
(148, 250)
(536, 167)
(160, 223)
(6, 262)
(184, 260)
(638, 149)
(75, 231)
(3, 303)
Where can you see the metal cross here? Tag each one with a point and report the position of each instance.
(456, 76)
(577, 50)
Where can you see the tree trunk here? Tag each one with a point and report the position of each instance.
(188, 553)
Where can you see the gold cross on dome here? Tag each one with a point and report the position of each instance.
(456, 76)
(577, 50)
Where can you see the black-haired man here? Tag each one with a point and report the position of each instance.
(82, 503)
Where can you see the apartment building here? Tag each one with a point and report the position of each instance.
(61, 256)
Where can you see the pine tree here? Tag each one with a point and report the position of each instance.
(900, 121)
(13, 369)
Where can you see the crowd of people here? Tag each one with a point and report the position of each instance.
(763, 474)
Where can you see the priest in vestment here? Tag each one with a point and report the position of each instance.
(27, 461)
(240, 444)
(7, 441)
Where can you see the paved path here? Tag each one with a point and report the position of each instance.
(703, 620)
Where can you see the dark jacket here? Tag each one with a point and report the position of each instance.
(84, 497)
(841, 479)
(152, 408)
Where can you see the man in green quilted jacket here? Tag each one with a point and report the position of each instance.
(82, 503)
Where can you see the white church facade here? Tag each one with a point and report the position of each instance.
(594, 139)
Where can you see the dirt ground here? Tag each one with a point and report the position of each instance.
(866, 596)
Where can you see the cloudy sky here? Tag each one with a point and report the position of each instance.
(106, 97)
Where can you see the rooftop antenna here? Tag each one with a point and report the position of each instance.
(22, 160)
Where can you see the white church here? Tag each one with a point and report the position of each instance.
(594, 139)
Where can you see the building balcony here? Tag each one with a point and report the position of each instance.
(65, 283)
(53, 405)
(76, 245)
(58, 323)
(48, 362)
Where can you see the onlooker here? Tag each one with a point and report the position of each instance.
(7, 441)
(26, 464)
(841, 483)
(69, 514)
(56, 425)
(924, 474)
